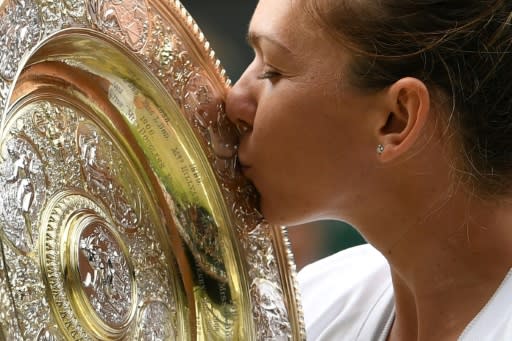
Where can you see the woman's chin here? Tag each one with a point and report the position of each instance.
(282, 216)
(273, 215)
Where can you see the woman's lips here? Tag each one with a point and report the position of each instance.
(244, 164)
(244, 167)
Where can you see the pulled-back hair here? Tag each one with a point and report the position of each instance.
(460, 48)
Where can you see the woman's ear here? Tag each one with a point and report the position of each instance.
(408, 104)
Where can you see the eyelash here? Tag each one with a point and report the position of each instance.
(269, 75)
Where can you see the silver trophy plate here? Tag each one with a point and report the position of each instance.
(123, 214)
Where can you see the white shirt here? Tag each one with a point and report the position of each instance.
(349, 297)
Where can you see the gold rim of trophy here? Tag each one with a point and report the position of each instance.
(123, 212)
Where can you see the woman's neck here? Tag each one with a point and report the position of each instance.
(447, 266)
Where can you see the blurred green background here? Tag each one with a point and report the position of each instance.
(225, 24)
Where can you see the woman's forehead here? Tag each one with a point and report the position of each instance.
(272, 15)
(283, 21)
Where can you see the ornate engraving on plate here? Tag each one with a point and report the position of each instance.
(265, 291)
(54, 156)
(16, 39)
(80, 239)
(168, 58)
(127, 20)
(153, 322)
(101, 177)
(24, 183)
(28, 294)
(105, 273)
(4, 89)
(94, 260)
(56, 14)
(206, 113)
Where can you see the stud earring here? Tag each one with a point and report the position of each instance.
(380, 149)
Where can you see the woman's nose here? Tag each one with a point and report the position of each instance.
(241, 105)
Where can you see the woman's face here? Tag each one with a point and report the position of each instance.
(308, 142)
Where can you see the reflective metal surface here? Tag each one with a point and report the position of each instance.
(123, 214)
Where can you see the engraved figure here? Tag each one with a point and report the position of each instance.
(106, 275)
(51, 14)
(95, 173)
(51, 122)
(21, 175)
(126, 215)
(101, 182)
(74, 8)
(103, 274)
(20, 29)
(127, 19)
(24, 184)
(56, 14)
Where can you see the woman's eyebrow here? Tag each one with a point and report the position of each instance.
(254, 38)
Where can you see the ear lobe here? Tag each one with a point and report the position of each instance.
(409, 103)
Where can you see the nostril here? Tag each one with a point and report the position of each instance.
(242, 127)
(240, 108)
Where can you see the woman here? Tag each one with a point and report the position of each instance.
(394, 116)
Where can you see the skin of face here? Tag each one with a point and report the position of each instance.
(308, 133)
(309, 147)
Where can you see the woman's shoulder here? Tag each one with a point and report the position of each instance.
(345, 292)
(349, 259)
(345, 271)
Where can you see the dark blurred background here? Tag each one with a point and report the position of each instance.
(225, 24)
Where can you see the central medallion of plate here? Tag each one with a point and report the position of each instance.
(83, 247)
(105, 274)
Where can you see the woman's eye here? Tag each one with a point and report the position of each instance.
(269, 75)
